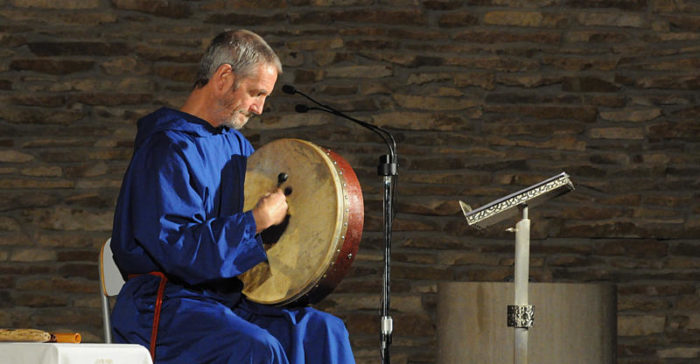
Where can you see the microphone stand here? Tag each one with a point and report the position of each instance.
(387, 170)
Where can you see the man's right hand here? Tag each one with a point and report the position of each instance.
(270, 210)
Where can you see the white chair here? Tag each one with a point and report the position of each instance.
(111, 282)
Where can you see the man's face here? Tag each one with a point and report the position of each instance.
(248, 97)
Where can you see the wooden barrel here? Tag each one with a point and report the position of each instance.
(574, 323)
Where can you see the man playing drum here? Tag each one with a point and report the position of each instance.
(181, 236)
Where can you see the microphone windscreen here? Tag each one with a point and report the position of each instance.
(289, 89)
(301, 108)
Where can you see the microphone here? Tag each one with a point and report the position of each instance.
(384, 134)
(289, 89)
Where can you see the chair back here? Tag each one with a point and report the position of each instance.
(111, 282)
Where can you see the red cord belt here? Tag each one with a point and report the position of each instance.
(156, 311)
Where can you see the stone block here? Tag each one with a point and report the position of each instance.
(664, 81)
(486, 81)
(360, 71)
(693, 322)
(514, 18)
(64, 4)
(503, 64)
(53, 49)
(435, 103)
(33, 99)
(458, 19)
(362, 323)
(675, 130)
(118, 99)
(384, 16)
(559, 131)
(656, 289)
(639, 303)
(29, 255)
(76, 256)
(582, 63)
(413, 325)
(76, 239)
(680, 353)
(467, 258)
(546, 112)
(117, 66)
(588, 84)
(64, 316)
(612, 19)
(12, 156)
(686, 22)
(608, 4)
(176, 72)
(37, 300)
(165, 54)
(322, 57)
(51, 66)
(569, 261)
(168, 9)
(442, 4)
(86, 170)
(43, 171)
(601, 230)
(70, 219)
(9, 224)
(634, 248)
(244, 4)
(79, 270)
(430, 207)
(428, 121)
(490, 274)
(617, 133)
(664, 65)
(444, 242)
(92, 200)
(414, 272)
(245, 20)
(640, 325)
(631, 115)
(24, 116)
(596, 36)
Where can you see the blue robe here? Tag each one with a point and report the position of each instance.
(180, 213)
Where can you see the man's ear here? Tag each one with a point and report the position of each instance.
(224, 78)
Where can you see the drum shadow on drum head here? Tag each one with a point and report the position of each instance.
(273, 234)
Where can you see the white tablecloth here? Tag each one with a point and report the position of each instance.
(51, 353)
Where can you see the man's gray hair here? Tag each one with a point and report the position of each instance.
(242, 49)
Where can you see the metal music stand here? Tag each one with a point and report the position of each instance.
(521, 314)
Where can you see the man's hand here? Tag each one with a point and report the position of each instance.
(270, 210)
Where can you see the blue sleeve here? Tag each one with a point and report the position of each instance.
(170, 223)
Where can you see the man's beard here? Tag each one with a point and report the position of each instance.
(237, 120)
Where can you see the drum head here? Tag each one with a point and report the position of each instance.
(308, 246)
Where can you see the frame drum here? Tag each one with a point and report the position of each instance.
(312, 250)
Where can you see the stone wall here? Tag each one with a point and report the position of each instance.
(484, 97)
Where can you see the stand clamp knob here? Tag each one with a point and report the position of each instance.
(521, 316)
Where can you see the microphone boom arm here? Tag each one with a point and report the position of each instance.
(383, 133)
